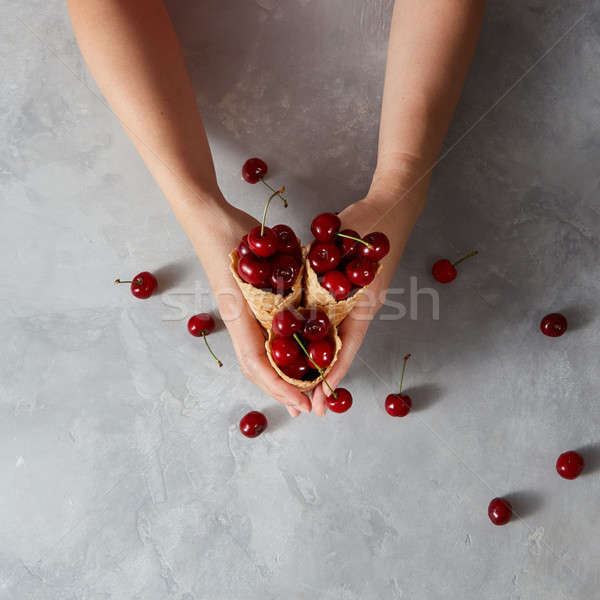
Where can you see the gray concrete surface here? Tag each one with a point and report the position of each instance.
(123, 475)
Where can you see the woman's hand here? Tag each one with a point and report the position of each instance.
(392, 206)
(214, 236)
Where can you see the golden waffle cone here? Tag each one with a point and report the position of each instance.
(316, 295)
(265, 304)
(305, 386)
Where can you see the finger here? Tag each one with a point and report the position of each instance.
(282, 391)
(293, 412)
(352, 332)
(249, 344)
(319, 401)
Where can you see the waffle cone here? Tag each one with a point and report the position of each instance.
(316, 295)
(305, 386)
(265, 304)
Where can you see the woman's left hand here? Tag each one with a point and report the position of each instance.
(392, 210)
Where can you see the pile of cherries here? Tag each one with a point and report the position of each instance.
(269, 258)
(343, 260)
(302, 345)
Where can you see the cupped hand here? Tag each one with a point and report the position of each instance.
(213, 243)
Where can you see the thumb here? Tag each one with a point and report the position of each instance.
(352, 332)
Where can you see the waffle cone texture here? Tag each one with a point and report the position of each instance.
(305, 386)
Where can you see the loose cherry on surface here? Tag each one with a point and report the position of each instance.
(316, 324)
(142, 285)
(297, 369)
(285, 351)
(399, 405)
(262, 241)
(378, 247)
(321, 353)
(553, 325)
(569, 465)
(254, 169)
(284, 272)
(325, 226)
(361, 271)
(499, 511)
(324, 257)
(444, 271)
(253, 424)
(341, 402)
(202, 325)
(287, 322)
(337, 284)
(254, 270)
(348, 246)
(243, 249)
(287, 242)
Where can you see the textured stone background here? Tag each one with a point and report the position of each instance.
(123, 475)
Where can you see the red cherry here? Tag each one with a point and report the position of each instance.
(287, 322)
(342, 403)
(316, 324)
(287, 242)
(253, 424)
(321, 353)
(337, 284)
(379, 246)
(285, 351)
(325, 226)
(348, 248)
(361, 271)
(569, 464)
(444, 271)
(243, 249)
(200, 326)
(263, 245)
(324, 257)
(254, 170)
(297, 369)
(499, 511)
(284, 272)
(142, 285)
(398, 405)
(553, 325)
(254, 270)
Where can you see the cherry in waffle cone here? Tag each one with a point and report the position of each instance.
(265, 304)
(316, 295)
(305, 386)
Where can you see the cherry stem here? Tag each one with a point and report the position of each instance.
(275, 193)
(403, 371)
(210, 350)
(350, 237)
(139, 280)
(278, 192)
(465, 257)
(316, 366)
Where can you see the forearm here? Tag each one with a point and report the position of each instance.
(134, 54)
(430, 48)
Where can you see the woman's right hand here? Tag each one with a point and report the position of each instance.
(215, 233)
